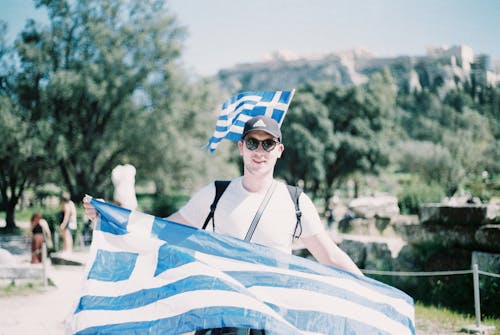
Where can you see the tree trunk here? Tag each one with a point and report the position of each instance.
(10, 224)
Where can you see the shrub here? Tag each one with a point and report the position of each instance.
(415, 193)
(164, 205)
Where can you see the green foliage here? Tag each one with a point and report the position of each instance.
(53, 217)
(415, 192)
(484, 189)
(452, 142)
(23, 155)
(164, 205)
(436, 290)
(432, 162)
(101, 86)
(430, 319)
(489, 292)
(182, 124)
(307, 133)
(335, 133)
(441, 290)
(86, 72)
(24, 287)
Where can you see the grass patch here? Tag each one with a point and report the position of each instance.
(26, 213)
(436, 320)
(21, 287)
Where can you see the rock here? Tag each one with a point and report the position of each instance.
(401, 220)
(358, 226)
(63, 258)
(493, 210)
(439, 234)
(453, 215)
(488, 262)
(369, 207)
(356, 250)
(378, 256)
(6, 258)
(488, 237)
(14, 244)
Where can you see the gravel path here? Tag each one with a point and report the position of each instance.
(44, 312)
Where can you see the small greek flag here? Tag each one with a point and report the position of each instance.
(236, 111)
(147, 275)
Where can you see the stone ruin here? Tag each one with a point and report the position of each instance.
(443, 237)
(373, 224)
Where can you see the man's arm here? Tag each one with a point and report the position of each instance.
(91, 213)
(326, 251)
(178, 218)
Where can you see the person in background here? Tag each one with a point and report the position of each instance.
(68, 222)
(40, 233)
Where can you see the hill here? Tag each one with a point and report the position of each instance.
(443, 67)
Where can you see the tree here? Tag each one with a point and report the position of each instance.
(23, 157)
(336, 132)
(363, 118)
(22, 151)
(433, 163)
(453, 138)
(307, 131)
(182, 120)
(86, 75)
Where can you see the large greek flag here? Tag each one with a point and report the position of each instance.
(147, 275)
(242, 107)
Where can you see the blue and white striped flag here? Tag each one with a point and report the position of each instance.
(147, 275)
(244, 106)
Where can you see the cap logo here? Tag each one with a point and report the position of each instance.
(259, 123)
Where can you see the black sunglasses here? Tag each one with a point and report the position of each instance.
(267, 144)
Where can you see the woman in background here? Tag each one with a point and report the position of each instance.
(40, 233)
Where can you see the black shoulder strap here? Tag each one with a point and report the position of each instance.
(295, 192)
(220, 187)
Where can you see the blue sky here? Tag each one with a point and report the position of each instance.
(222, 33)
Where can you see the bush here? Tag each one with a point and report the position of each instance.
(433, 163)
(415, 193)
(164, 205)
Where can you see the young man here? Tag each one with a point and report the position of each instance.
(260, 147)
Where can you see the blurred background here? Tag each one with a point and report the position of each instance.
(395, 119)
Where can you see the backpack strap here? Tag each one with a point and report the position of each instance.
(220, 187)
(261, 209)
(295, 192)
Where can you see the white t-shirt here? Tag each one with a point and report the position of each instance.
(237, 207)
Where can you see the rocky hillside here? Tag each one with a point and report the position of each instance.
(441, 67)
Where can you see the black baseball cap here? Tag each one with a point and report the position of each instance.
(264, 123)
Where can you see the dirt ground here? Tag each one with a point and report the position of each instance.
(44, 312)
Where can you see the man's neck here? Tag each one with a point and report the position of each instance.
(254, 183)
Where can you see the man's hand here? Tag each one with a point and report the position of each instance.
(90, 211)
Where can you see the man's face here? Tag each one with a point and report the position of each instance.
(260, 161)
